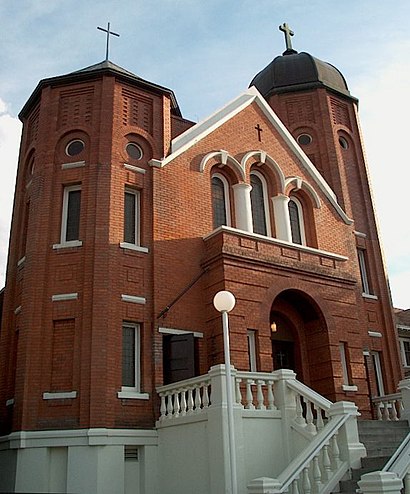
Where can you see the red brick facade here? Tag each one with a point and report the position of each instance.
(64, 306)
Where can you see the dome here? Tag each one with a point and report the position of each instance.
(295, 71)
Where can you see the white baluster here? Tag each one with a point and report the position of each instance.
(394, 410)
(317, 475)
(249, 396)
(306, 487)
(401, 408)
(259, 395)
(198, 401)
(295, 486)
(183, 402)
(319, 418)
(327, 465)
(271, 398)
(309, 417)
(205, 395)
(238, 393)
(176, 404)
(386, 411)
(170, 408)
(335, 452)
(163, 408)
(299, 411)
(378, 411)
(190, 402)
(406, 482)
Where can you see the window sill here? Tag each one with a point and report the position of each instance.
(67, 245)
(21, 261)
(137, 248)
(370, 296)
(132, 395)
(349, 387)
(60, 396)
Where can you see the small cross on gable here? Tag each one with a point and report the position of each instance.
(259, 129)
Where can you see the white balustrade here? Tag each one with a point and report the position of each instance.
(184, 398)
(255, 390)
(388, 407)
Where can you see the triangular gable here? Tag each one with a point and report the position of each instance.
(200, 130)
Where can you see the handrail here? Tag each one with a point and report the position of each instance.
(399, 463)
(182, 384)
(381, 399)
(313, 396)
(294, 469)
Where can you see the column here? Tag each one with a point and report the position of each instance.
(243, 209)
(282, 220)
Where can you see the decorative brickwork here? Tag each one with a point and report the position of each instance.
(136, 110)
(300, 111)
(340, 113)
(75, 107)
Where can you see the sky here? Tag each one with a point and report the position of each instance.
(207, 52)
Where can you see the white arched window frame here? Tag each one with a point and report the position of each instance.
(299, 208)
(226, 196)
(265, 201)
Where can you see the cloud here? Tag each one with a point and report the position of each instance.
(10, 130)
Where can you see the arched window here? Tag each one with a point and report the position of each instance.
(220, 200)
(296, 221)
(259, 204)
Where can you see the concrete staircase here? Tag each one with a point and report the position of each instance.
(381, 440)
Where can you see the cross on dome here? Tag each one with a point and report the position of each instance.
(108, 38)
(288, 33)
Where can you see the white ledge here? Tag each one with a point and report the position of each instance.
(135, 169)
(283, 243)
(360, 234)
(156, 163)
(67, 245)
(370, 296)
(137, 248)
(17, 310)
(60, 396)
(349, 387)
(21, 261)
(132, 395)
(10, 402)
(180, 331)
(375, 334)
(75, 164)
(133, 299)
(64, 296)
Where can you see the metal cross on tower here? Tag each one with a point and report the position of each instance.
(108, 37)
(288, 33)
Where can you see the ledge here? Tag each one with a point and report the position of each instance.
(60, 396)
(349, 387)
(137, 248)
(133, 299)
(135, 169)
(21, 261)
(132, 395)
(370, 296)
(67, 245)
(75, 164)
(64, 296)
(375, 334)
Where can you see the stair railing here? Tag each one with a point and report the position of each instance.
(388, 407)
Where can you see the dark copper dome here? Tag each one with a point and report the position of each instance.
(294, 71)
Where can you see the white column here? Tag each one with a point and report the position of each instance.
(404, 388)
(282, 220)
(243, 210)
(380, 483)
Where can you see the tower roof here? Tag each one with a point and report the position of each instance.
(105, 67)
(295, 71)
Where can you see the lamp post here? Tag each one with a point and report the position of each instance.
(224, 302)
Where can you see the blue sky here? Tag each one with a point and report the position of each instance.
(207, 51)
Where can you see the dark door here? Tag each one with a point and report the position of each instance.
(283, 355)
(179, 357)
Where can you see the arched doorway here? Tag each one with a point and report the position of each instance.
(300, 339)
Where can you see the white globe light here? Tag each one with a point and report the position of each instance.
(224, 301)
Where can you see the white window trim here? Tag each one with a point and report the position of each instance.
(364, 274)
(251, 335)
(137, 248)
(196, 334)
(227, 197)
(64, 217)
(378, 371)
(301, 219)
(343, 360)
(134, 392)
(403, 353)
(137, 216)
(265, 200)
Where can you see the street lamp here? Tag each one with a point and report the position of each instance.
(224, 302)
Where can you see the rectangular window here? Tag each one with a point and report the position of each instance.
(132, 216)
(364, 272)
(252, 350)
(131, 377)
(405, 351)
(378, 372)
(70, 225)
(343, 359)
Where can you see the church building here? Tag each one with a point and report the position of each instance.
(128, 219)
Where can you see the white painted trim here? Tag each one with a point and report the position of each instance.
(281, 217)
(251, 336)
(302, 184)
(378, 371)
(135, 169)
(10, 402)
(133, 299)
(227, 196)
(64, 296)
(265, 159)
(403, 352)
(21, 261)
(128, 394)
(64, 213)
(375, 334)
(137, 213)
(67, 245)
(360, 234)
(403, 327)
(243, 210)
(366, 353)
(225, 158)
(370, 296)
(301, 219)
(60, 396)
(17, 310)
(265, 201)
(138, 248)
(277, 241)
(349, 387)
(343, 361)
(74, 164)
(199, 131)
(180, 331)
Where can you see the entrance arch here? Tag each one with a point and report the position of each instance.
(300, 339)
